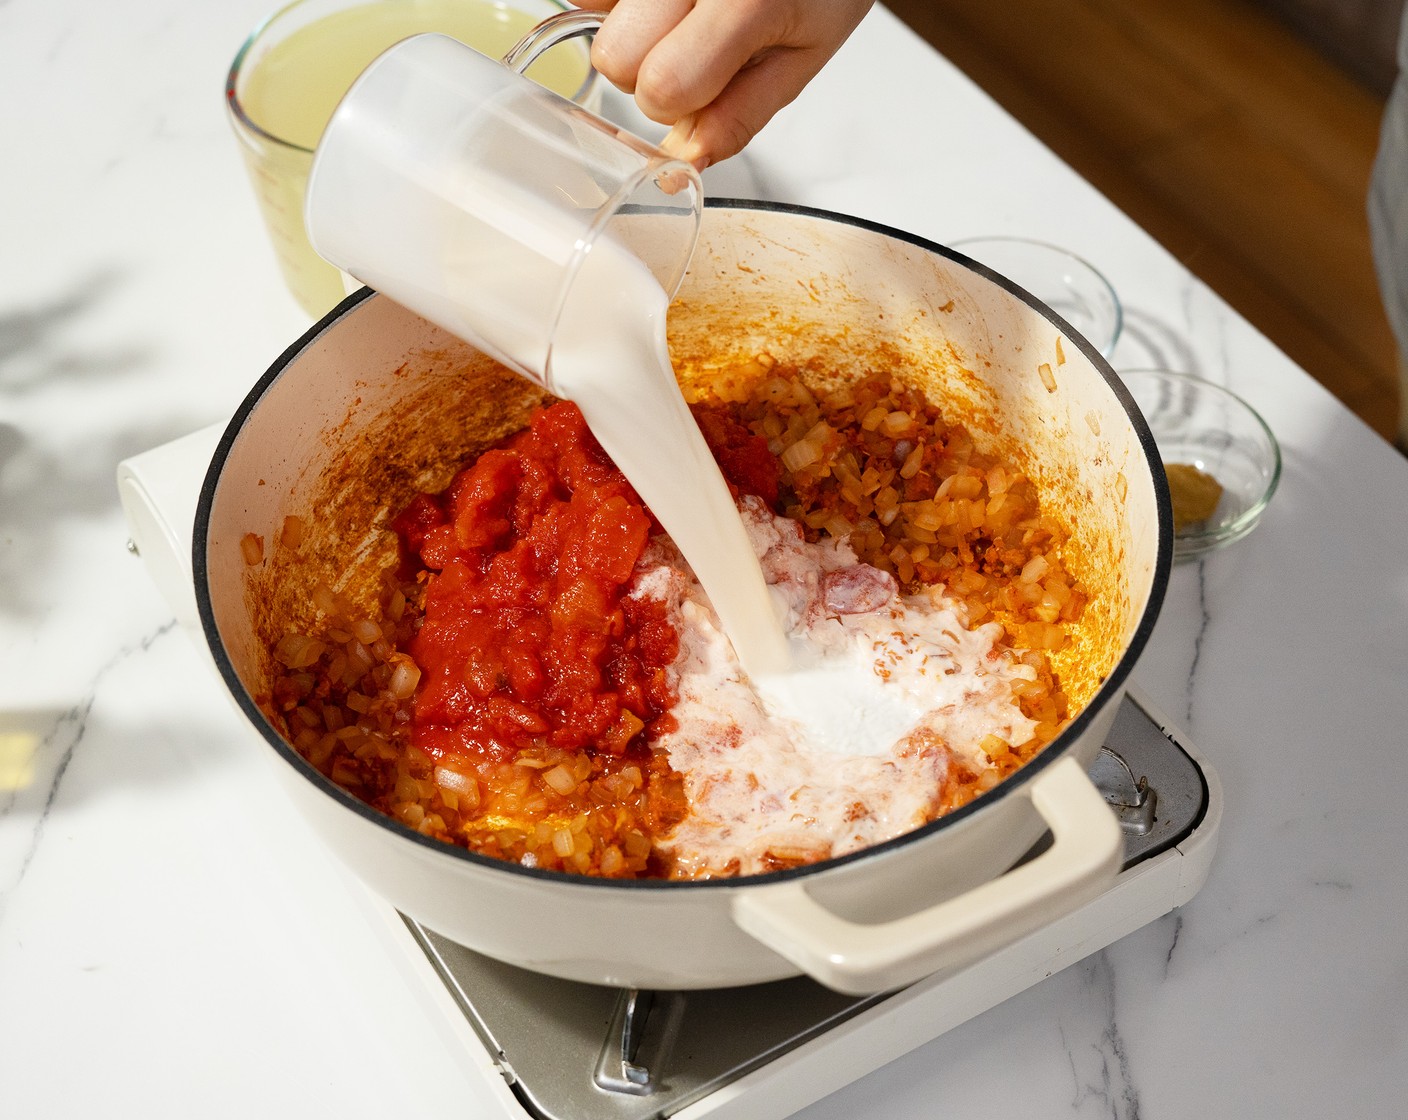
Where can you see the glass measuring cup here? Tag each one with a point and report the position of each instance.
(454, 185)
(1068, 284)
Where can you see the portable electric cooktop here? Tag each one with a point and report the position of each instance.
(553, 1049)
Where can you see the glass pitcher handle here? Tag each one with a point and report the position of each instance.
(550, 32)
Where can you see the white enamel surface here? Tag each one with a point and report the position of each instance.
(147, 963)
(353, 398)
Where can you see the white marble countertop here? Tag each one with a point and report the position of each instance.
(172, 943)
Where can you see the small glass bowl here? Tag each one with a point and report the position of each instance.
(1070, 286)
(1204, 426)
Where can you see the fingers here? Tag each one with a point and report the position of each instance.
(696, 59)
(718, 70)
(724, 127)
(631, 32)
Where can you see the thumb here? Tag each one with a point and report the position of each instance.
(752, 97)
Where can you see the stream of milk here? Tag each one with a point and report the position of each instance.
(609, 356)
(506, 259)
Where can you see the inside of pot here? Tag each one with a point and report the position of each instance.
(381, 406)
(842, 301)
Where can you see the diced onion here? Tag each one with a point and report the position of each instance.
(293, 533)
(453, 779)
(1034, 569)
(560, 780)
(252, 548)
(404, 678)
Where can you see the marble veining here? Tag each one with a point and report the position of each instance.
(1204, 621)
(1100, 1064)
(25, 810)
(1175, 921)
(63, 740)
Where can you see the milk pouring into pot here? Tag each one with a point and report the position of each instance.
(609, 357)
(554, 242)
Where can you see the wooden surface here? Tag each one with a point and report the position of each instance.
(1225, 136)
(1359, 35)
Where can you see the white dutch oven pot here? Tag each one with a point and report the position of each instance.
(374, 404)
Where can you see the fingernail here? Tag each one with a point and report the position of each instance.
(680, 143)
(677, 139)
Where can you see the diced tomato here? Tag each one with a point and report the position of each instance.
(743, 457)
(413, 523)
(528, 632)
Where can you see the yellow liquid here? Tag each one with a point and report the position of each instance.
(292, 89)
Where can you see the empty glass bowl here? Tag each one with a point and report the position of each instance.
(1070, 286)
(1204, 432)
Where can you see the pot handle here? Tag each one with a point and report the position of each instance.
(1085, 854)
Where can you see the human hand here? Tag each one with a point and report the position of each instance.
(717, 70)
